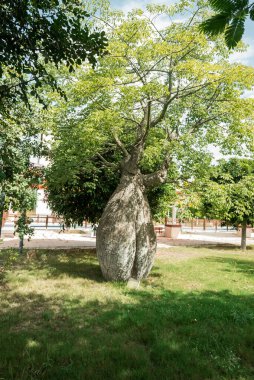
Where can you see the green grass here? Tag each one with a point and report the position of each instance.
(193, 318)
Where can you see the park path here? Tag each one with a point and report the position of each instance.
(47, 239)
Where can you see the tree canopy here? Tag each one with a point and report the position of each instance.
(169, 89)
(227, 193)
(34, 34)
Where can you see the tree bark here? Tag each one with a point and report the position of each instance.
(2, 200)
(21, 244)
(21, 233)
(243, 237)
(126, 241)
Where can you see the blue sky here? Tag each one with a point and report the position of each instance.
(246, 58)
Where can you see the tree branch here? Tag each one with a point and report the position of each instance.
(107, 163)
(194, 89)
(201, 122)
(121, 145)
(158, 177)
(162, 114)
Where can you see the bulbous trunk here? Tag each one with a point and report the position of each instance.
(126, 241)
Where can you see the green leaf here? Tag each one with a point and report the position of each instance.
(234, 31)
(216, 24)
(241, 4)
(252, 13)
(222, 6)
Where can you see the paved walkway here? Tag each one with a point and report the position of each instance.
(204, 238)
(54, 240)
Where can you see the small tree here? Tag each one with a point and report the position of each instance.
(22, 199)
(19, 140)
(229, 194)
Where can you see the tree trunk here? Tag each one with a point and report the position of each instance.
(243, 238)
(2, 201)
(21, 231)
(21, 244)
(126, 241)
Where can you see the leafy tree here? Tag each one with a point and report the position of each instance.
(18, 142)
(36, 33)
(22, 198)
(83, 195)
(36, 37)
(229, 18)
(228, 194)
(158, 97)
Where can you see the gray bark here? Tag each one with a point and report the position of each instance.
(126, 241)
(243, 238)
(21, 244)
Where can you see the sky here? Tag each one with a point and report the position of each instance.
(246, 58)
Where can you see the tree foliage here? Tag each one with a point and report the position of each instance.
(229, 18)
(36, 33)
(19, 141)
(227, 193)
(236, 178)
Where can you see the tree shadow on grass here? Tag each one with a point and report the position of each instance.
(161, 335)
(234, 265)
(75, 263)
(221, 247)
(88, 269)
(230, 247)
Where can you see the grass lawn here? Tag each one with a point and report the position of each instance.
(193, 318)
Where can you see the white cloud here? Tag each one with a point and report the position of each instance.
(161, 21)
(245, 58)
(248, 93)
(127, 6)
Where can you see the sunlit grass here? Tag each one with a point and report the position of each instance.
(193, 318)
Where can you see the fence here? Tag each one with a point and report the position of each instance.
(202, 224)
(195, 224)
(45, 221)
(39, 220)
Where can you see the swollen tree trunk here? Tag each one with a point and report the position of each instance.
(243, 237)
(126, 241)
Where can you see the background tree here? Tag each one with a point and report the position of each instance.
(19, 141)
(36, 37)
(156, 98)
(36, 33)
(229, 19)
(227, 194)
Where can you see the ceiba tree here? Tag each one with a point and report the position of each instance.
(159, 94)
